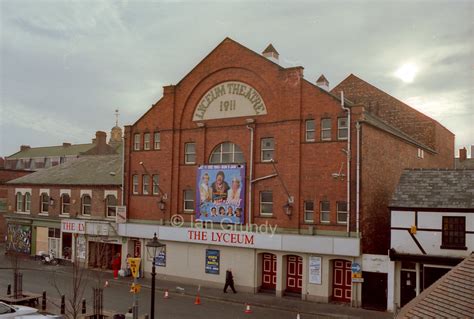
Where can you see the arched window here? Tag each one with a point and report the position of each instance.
(226, 153)
(27, 202)
(111, 205)
(44, 202)
(19, 202)
(86, 204)
(65, 204)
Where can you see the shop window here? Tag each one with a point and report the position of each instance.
(190, 153)
(19, 202)
(135, 184)
(226, 153)
(65, 204)
(188, 200)
(146, 141)
(309, 211)
(454, 232)
(27, 202)
(86, 205)
(342, 128)
(156, 182)
(54, 233)
(267, 146)
(266, 203)
(310, 131)
(341, 212)
(157, 141)
(325, 129)
(111, 205)
(146, 184)
(136, 142)
(44, 198)
(325, 211)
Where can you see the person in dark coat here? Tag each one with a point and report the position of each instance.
(229, 281)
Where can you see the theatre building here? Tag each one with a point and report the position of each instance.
(245, 164)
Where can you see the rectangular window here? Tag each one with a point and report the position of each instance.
(86, 205)
(136, 142)
(146, 141)
(27, 202)
(266, 203)
(421, 153)
(65, 204)
(309, 211)
(188, 196)
(19, 202)
(156, 182)
(454, 233)
(310, 131)
(146, 184)
(325, 212)
(341, 212)
(135, 184)
(267, 146)
(190, 153)
(325, 129)
(44, 203)
(157, 141)
(54, 233)
(342, 128)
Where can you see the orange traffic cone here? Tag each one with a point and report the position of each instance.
(247, 308)
(198, 300)
(166, 296)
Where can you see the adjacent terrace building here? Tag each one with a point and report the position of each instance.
(246, 164)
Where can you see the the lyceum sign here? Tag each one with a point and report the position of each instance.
(229, 99)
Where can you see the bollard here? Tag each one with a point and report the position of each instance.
(63, 305)
(83, 306)
(43, 301)
(9, 290)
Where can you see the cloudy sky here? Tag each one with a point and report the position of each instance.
(67, 65)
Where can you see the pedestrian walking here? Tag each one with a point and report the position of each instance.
(229, 281)
(116, 265)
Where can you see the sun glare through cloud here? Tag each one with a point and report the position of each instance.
(407, 72)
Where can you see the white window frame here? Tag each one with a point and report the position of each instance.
(135, 189)
(262, 203)
(308, 211)
(264, 149)
(189, 155)
(219, 151)
(341, 128)
(155, 184)
(147, 141)
(309, 130)
(65, 204)
(339, 221)
(421, 153)
(136, 141)
(321, 215)
(19, 202)
(146, 184)
(42, 203)
(157, 140)
(27, 202)
(113, 207)
(188, 200)
(83, 205)
(326, 129)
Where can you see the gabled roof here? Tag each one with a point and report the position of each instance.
(452, 296)
(270, 49)
(87, 170)
(48, 151)
(435, 188)
(322, 78)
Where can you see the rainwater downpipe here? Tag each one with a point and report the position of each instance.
(348, 164)
(358, 180)
(249, 219)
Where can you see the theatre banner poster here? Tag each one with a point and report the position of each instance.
(220, 193)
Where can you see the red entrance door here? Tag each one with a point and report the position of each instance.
(269, 271)
(294, 273)
(342, 280)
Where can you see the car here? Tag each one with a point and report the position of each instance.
(14, 311)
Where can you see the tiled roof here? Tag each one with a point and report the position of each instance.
(432, 188)
(87, 170)
(452, 296)
(48, 151)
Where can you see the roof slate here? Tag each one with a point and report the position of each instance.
(467, 163)
(47, 151)
(433, 188)
(87, 170)
(450, 297)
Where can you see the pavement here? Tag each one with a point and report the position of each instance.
(212, 297)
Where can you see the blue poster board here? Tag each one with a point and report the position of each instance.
(212, 261)
(160, 260)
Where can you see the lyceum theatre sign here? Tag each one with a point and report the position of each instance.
(229, 99)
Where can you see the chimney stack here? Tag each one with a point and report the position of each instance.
(65, 144)
(271, 53)
(24, 148)
(462, 154)
(100, 138)
(472, 151)
(323, 83)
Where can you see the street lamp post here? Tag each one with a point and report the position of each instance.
(152, 247)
